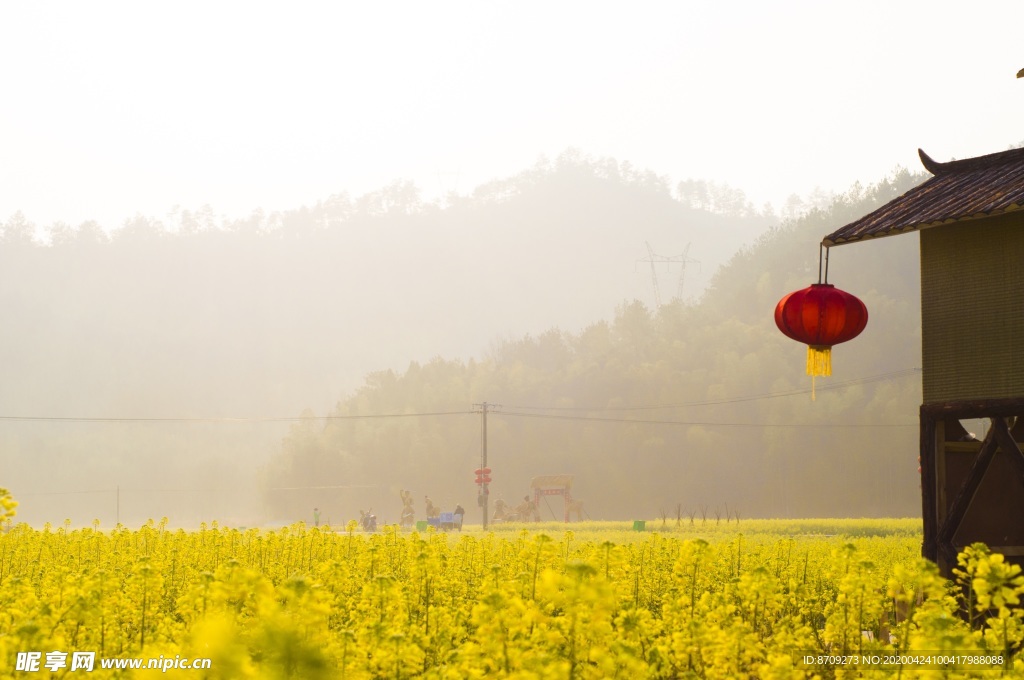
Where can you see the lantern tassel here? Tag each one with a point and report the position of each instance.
(819, 360)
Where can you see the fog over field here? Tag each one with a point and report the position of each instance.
(256, 260)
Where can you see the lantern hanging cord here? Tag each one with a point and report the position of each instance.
(822, 259)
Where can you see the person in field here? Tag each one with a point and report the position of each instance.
(527, 511)
(408, 517)
(500, 511)
(459, 514)
(368, 520)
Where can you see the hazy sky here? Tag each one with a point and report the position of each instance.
(114, 108)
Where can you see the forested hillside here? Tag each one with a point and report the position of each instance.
(691, 407)
(152, 369)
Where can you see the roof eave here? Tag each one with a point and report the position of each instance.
(896, 231)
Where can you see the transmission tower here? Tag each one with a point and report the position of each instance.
(654, 274)
(683, 260)
(668, 260)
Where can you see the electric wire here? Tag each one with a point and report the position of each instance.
(283, 419)
(512, 410)
(731, 400)
(649, 421)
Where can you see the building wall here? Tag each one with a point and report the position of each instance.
(972, 309)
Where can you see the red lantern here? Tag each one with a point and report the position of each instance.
(820, 315)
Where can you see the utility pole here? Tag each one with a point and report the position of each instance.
(483, 472)
(483, 461)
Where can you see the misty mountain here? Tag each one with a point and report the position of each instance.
(690, 407)
(148, 330)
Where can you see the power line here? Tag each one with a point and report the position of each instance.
(494, 409)
(645, 421)
(731, 400)
(64, 493)
(229, 421)
(335, 486)
(192, 490)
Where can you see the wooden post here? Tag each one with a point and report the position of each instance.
(929, 507)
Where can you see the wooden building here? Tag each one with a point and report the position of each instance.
(970, 216)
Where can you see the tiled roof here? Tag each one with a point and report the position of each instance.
(962, 190)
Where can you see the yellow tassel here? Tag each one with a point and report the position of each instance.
(819, 360)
